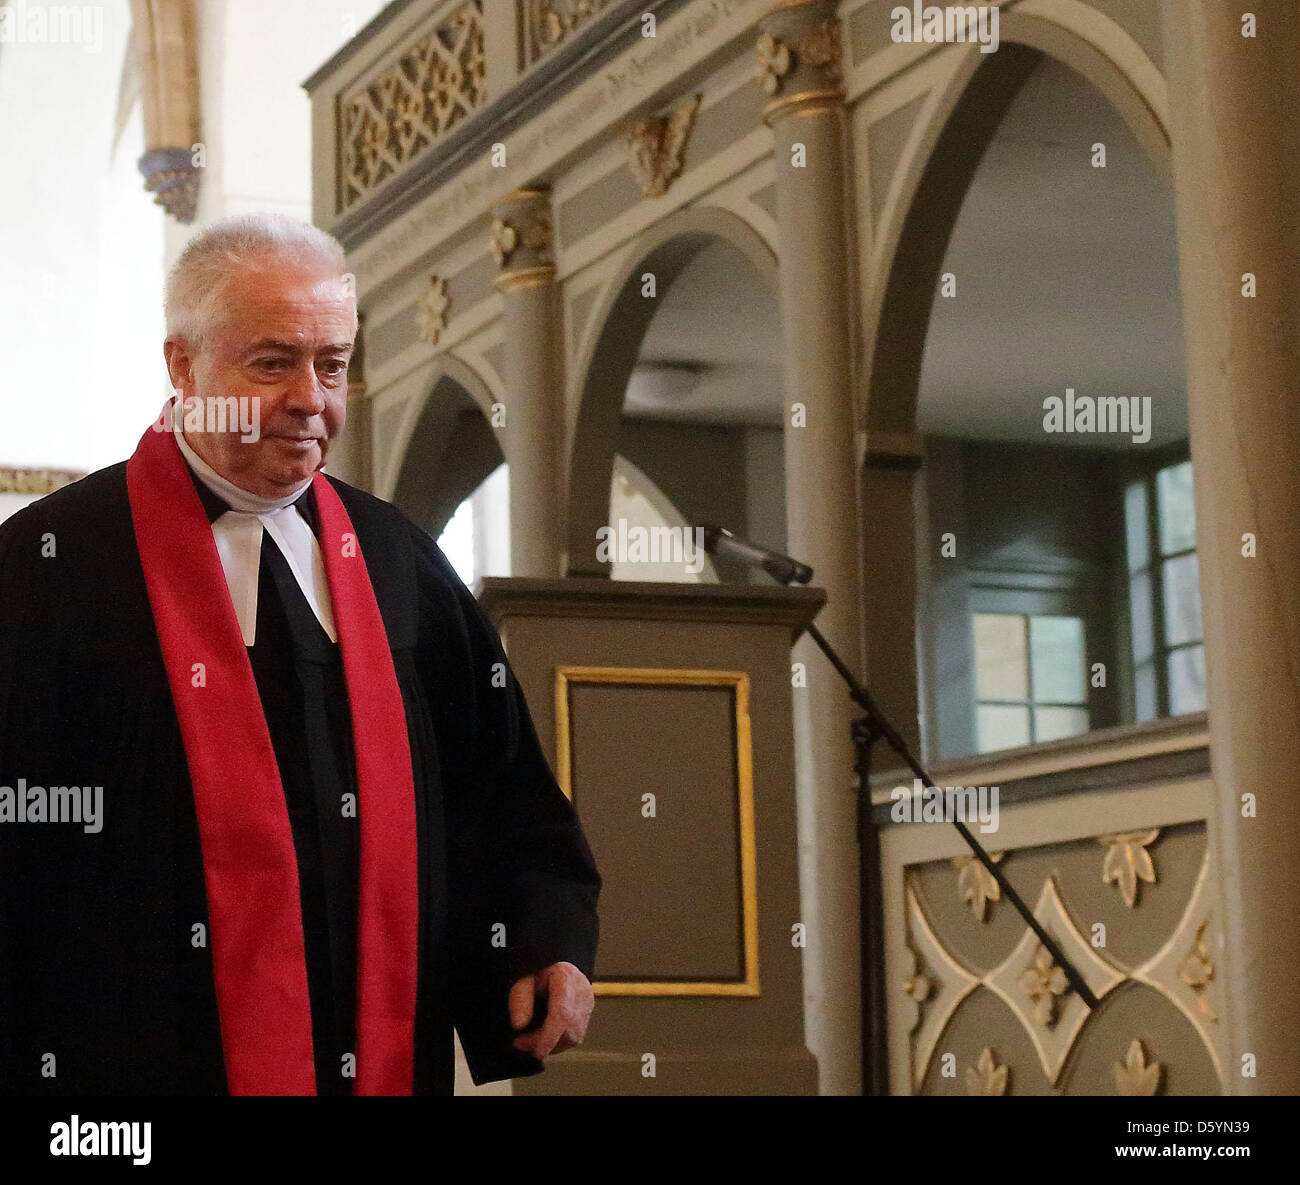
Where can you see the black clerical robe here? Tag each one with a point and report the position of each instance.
(106, 978)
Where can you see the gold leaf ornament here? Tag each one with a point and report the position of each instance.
(1197, 970)
(1042, 982)
(986, 1077)
(656, 147)
(1127, 862)
(821, 47)
(975, 884)
(1135, 1077)
(504, 241)
(774, 62)
(431, 312)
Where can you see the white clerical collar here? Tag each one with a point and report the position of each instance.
(236, 497)
(238, 536)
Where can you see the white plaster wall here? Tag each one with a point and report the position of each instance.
(256, 119)
(81, 244)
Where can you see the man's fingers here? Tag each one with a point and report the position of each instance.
(521, 1002)
(560, 1014)
(568, 1011)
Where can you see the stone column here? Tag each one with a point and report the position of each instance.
(532, 435)
(1236, 158)
(799, 62)
(166, 50)
(352, 458)
(887, 488)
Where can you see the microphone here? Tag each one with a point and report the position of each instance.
(783, 569)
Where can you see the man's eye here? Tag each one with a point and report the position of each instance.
(334, 368)
(270, 363)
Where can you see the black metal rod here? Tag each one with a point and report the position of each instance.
(871, 931)
(881, 725)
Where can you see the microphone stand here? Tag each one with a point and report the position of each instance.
(869, 728)
(866, 731)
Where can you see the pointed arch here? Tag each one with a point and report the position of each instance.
(954, 129)
(623, 316)
(443, 446)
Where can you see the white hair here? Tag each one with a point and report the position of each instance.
(198, 279)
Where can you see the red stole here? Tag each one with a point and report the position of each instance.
(249, 866)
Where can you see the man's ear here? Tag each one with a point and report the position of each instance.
(180, 363)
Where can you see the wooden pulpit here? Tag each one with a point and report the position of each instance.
(665, 711)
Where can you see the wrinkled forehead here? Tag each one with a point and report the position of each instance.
(283, 297)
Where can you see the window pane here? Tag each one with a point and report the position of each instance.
(1001, 662)
(1057, 659)
(1144, 693)
(1187, 680)
(1177, 509)
(1182, 600)
(1002, 726)
(1050, 724)
(1135, 526)
(1139, 599)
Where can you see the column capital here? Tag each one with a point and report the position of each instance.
(165, 39)
(799, 54)
(523, 239)
(171, 175)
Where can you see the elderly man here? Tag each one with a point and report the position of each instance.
(273, 814)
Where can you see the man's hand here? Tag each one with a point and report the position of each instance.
(569, 1010)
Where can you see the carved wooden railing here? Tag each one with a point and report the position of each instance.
(430, 67)
(1106, 837)
(395, 114)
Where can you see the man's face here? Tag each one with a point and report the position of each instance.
(280, 346)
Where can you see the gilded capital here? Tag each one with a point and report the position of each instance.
(522, 239)
(799, 52)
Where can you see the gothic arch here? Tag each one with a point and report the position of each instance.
(955, 127)
(450, 419)
(622, 316)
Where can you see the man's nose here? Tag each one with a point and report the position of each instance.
(305, 394)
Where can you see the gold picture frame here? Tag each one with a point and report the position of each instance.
(738, 681)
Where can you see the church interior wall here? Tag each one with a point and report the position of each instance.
(1022, 514)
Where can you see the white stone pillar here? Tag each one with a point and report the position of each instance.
(532, 435)
(799, 54)
(1236, 157)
